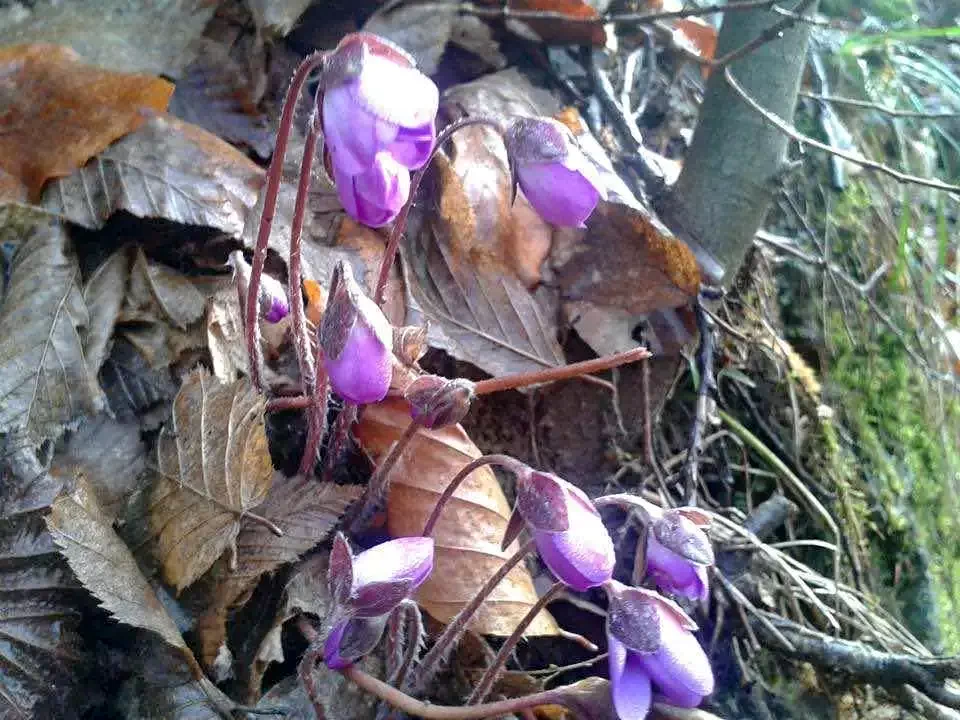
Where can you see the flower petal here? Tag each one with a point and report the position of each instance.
(412, 146)
(580, 561)
(629, 681)
(408, 559)
(679, 668)
(559, 195)
(362, 373)
(375, 196)
(399, 95)
(331, 647)
(352, 135)
(673, 573)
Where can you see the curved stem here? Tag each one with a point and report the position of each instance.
(412, 706)
(341, 431)
(414, 628)
(453, 631)
(379, 484)
(400, 224)
(510, 382)
(499, 662)
(504, 460)
(316, 422)
(292, 402)
(309, 662)
(271, 191)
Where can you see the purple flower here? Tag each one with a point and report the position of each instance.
(375, 196)
(678, 553)
(560, 182)
(356, 340)
(366, 588)
(274, 305)
(567, 529)
(651, 643)
(375, 100)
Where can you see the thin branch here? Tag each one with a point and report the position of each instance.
(505, 13)
(866, 104)
(771, 33)
(791, 132)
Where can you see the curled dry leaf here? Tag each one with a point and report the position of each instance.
(105, 565)
(470, 529)
(225, 335)
(155, 287)
(133, 389)
(65, 111)
(40, 652)
(559, 30)
(103, 293)
(213, 466)
(305, 510)
(166, 169)
(45, 381)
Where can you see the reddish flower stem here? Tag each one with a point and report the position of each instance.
(271, 191)
(403, 702)
(493, 672)
(451, 634)
(400, 224)
(341, 431)
(504, 460)
(293, 402)
(316, 422)
(510, 382)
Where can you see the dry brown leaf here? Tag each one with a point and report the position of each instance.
(45, 381)
(155, 286)
(558, 30)
(212, 467)
(225, 335)
(134, 391)
(65, 111)
(105, 565)
(167, 169)
(305, 510)
(103, 293)
(469, 532)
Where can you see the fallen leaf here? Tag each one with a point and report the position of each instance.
(103, 294)
(627, 259)
(212, 467)
(61, 112)
(698, 36)
(163, 345)
(105, 566)
(109, 457)
(305, 510)
(134, 390)
(469, 532)
(150, 37)
(153, 283)
(559, 30)
(167, 169)
(422, 30)
(45, 381)
(225, 335)
(277, 17)
(316, 301)
(40, 651)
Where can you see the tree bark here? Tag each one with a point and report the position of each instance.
(725, 188)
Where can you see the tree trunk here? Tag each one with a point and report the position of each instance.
(723, 193)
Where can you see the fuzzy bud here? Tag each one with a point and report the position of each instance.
(437, 402)
(274, 305)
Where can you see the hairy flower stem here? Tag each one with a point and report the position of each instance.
(493, 672)
(503, 460)
(316, 422)
(309, 661)
(414, 632)
(271, 191)
(379, 484)
(451, 634)
(403, 702)
(519, 380)
(400, 224)
(341, 432)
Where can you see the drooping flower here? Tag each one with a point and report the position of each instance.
(356, 340)
(437, 402)
(366, 588)
(560, 182)
(567, 529)
(274, 305)
(378, 116)
(651, 645)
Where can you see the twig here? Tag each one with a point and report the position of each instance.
(799, 137)
(705, 389)
(771, 33)
(493, 672)
(853, 102)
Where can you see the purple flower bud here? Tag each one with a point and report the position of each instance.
(375, 196)
(356, 340)
(678, 553)
(675, 664)
(375, 100)
(274, 305)
(561, 183)
(351, 639)
(567, 529)
(374, 582)
(437, 402)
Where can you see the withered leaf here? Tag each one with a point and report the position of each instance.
(133, 389)
(105, 566)
(470, 529)
(212, 467)
(45, 381)
(225, 335)
(305, 510)
(103, 293)
(109, 457)
(628, 259)
(167, 169)
(176, 296)
(557, 29)
(151, 37)
(65, 111)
